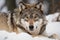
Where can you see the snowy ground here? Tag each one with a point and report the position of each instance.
(52, 17)
(22, 36)
(52, 27)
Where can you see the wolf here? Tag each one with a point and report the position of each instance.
(30, 18)
(3, 21)
(25, 18)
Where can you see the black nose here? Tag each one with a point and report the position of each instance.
(31, 27)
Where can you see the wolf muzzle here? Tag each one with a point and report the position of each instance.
(31, 27)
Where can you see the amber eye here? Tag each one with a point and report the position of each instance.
(26, 18)
(35, 7)
(35, 17)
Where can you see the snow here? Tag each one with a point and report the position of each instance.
(22, 36)
(52, 17)
(51, 28)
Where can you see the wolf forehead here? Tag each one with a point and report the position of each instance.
(32, 11)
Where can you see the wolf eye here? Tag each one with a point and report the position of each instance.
(35, 17)
(26, 18)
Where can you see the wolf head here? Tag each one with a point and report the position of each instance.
(31, 18)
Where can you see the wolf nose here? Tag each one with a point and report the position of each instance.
(31, 27)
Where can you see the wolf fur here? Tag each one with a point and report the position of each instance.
(23, 17)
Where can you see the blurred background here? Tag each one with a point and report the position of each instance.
(9, 5)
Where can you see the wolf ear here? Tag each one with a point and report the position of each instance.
(39, 7)
(43, 7)
(21, 6)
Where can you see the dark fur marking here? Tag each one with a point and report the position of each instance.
(23, 29)
(42, 28)
(12, 22)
